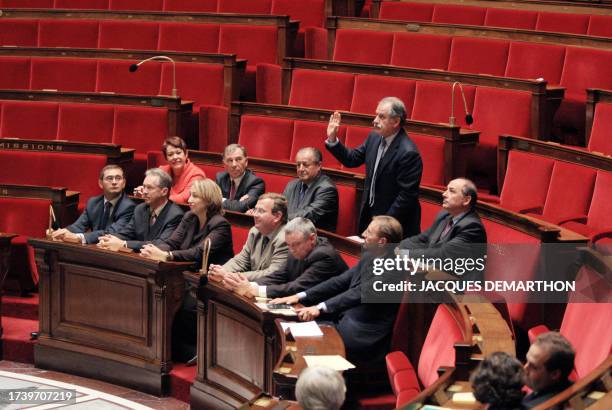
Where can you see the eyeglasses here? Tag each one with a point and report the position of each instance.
(112, 178)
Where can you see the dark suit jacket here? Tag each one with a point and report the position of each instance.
(365, 328)
(90, 218)
(320, 202)
(138, 232)
(296, 276)
(186, 240)
(397, 181)
(250, 185)
(466, 239)
(535, 398)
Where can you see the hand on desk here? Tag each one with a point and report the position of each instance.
(239, 284)
(289, 300)
(308, 313)
(64, 234)
(216, 273)
(110, 242)
(151, 251)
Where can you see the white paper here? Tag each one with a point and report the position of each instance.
(303, 329)
(335, 362)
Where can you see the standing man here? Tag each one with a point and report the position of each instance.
(153, 220)
(104, 214)
(393, 166)
(240, 186)
(312, 195)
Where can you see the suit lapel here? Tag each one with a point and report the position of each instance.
(390, 154)
(435, 238)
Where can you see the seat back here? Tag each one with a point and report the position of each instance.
(370, 89)
(29, 120)
(432, 151)
(533, 60)
(458, 14)
(114, 75)
(363, 46)
(527, 180)
(309, 134)
(600, 212)
(432, 102)
(15, 72)
(478, 56)
(355, 136)
(244, 7)
(310, 88)
(142, 128)
(569, 192)
(600, 140)
(80, 4)
(28, 217)
(586, 68)
(421, 50)
(204, 6)
(129, 35)
(86, 122)
(201, 83)
(19, 32)
(310, 13)
(68, 33)
(519, 19)
(407, 11)
(140, 5)
(266, 137)
(202, 38)
(600, 26)
(64, 74)
(562, 22)
(260, 47)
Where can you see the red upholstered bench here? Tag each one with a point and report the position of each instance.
(307, 89)
(266, 137)
(68, 33)
(421, 50)
(151, 5)
(458, 14)
(599, 140)
(374, 46)
(20, 33)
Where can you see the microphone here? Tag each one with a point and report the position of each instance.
(134, 67)
(468, 117)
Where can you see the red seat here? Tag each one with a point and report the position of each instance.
(64, 74)
(438, 351)
(432, 151)
(349, 209)
(600, 140)
(213, 128)
(310, 13)
(355, 136)
(141, 5)
(15, 73)
(129, 35)
(19, 32)
(526, 182)
(432, 102)
(266, 137)
(29, 119)
(363, 46)
(239, 237)
(80, 4)
(478, 56)
(310, 88)
(68, 33)
(114, 75)
(206, 6)
(391, 10)
(30, 4)
(202, 38)
(520, 19)
(200, 83)
(598, 223)
(421, 50)
(562, 22)
(274, 182)
(244, 7)
(533, 61)
(458, 14)
(600, 26)
(370, 89)
(312, 134)
(86, 122)
(142, 128)
(569, 192)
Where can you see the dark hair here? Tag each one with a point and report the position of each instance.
(176, 142)
(469, 189)
(108, 167)
(280, 204)
(561, 354)
(498, 382)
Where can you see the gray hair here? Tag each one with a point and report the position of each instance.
(320, 388)
(233, 147)
(165, 180)
(301, 225)
(396, 108)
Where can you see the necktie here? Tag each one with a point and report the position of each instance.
(153, 219)
(379, 155)
(104, 220)
(303, 189)
(447, 229)
(264, 244)
(232, 193)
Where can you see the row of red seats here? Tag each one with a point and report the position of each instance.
(575, 68)
(573, 23)
(574, 196)
(141, 128)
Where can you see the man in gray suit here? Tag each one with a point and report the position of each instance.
(240, 186)
(313, 195)
(265, 250)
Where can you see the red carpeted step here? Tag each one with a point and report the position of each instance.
(181, 379)
(20, 307)
(17, 345)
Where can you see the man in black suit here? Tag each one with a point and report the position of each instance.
(240, 186)
(153, 221)
(456, 233)
(104, 214)
(550, 360)
(313, 195)
(311, 260)
(365, 328)
(393, 166)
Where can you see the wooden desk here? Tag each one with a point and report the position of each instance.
(5, 253)
(107, 315)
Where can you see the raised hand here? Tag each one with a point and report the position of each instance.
(333, 126)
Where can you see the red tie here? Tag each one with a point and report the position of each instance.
(232, 193)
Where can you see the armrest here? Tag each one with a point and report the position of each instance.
(580, 218)
(601, 234)
(397, 362)
(534, 332)
(532, 210)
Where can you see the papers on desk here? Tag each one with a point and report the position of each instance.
(284, 312)
(335, 362)
(302, 329)
(466, 397)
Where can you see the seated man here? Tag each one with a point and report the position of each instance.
(311, 260)
(153, 221)
(313, 195)
(550, 360)
(457, 231)
(365, 328)
(104, 214)
(240, 186)
(265, 250)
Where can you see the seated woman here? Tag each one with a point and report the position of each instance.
(182, 171)
(204, 220)
(498, 382)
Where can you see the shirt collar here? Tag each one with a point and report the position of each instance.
(113, 201)
(157, 211)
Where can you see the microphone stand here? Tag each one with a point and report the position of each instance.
(134, 67)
